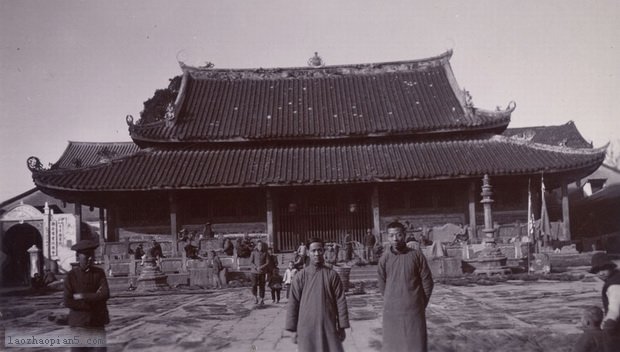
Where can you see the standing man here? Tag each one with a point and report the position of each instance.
(273, 263)
(259, 260)
(406, 283)
(348, 247)
(317, 308)
(217, 270)
(369, 243)
(139, 252)
(86, 292)
(608, 271)
(156, 252)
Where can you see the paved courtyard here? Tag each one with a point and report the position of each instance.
(508, 316)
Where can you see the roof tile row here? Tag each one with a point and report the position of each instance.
(328, 106)
(196, 168)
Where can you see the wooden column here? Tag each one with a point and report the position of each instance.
(102, 225)
(174, 226)
(269, 208)
(471, 198)
(112, 224)
(77, 213)
(376, 219)
(565, 213)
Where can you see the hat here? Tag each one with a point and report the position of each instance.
(593, 314)
(600, 261)
(316, 240)
(85, 245)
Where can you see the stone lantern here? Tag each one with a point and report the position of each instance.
(490, 259)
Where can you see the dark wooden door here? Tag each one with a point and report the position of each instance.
(326, 213)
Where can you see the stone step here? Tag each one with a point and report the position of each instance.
(363, 273)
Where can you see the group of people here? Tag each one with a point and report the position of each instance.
(317, 310)
(332, 251)
(265, 271)
(155, 251)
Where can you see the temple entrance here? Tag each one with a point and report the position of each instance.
(15, 244)
(326, 213)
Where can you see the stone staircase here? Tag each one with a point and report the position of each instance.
(363, 273)
(358, 273)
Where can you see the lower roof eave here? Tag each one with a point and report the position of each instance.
(553, 177)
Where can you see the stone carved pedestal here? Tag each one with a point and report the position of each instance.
(490, 260)
(152, 278)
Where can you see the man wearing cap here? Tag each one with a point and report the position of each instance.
(317, 308)
(608, 271)
(86, 290)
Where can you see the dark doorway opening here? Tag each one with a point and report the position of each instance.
(15, 244)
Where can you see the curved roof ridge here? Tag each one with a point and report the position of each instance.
(566, 124)
(304, 71)
(97, 143)
(566, 134)
(82, 154)
(548, 147)
(498, 112)
(60, 171)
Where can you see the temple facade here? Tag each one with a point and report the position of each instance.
(321, 151)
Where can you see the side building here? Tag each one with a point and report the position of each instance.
(34, 218)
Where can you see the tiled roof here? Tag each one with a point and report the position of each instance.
(196, 168)
(563, 135)
(413, 97)
(82, 154)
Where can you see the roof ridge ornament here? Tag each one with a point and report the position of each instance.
(469, 102)
(316, 61)
(207, 65)
(34, 164)
(169, 115)
(512, 105)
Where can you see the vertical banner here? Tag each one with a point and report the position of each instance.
(53, 245)
(530, 213)
(545, 225)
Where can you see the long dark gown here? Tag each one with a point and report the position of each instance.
(317, 307)
(406, 283)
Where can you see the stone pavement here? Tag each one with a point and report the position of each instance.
(509, 316)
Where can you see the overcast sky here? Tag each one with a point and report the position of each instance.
(72, 70)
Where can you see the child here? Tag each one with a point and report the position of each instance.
(288, 277)
(593, 338)
(275, 284)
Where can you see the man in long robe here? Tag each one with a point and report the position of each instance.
(317, 308)
(406, 283)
